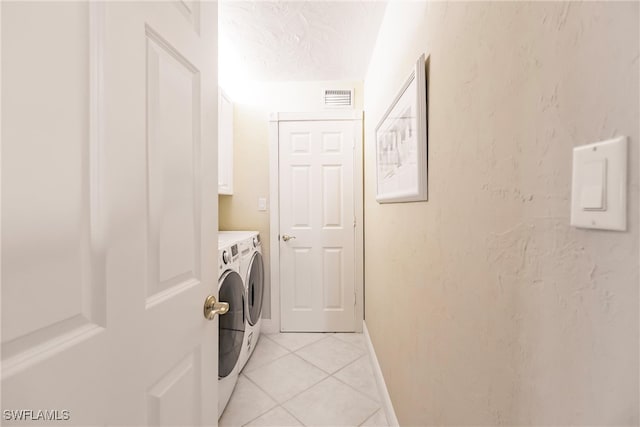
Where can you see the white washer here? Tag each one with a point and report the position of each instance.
(252, 272)
(232, 325)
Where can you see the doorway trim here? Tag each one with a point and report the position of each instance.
(273, 325)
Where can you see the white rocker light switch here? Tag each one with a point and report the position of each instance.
(599, 187)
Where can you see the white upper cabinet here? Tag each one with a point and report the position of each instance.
(225, 144)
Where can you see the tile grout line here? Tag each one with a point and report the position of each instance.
(311, 343)
(267, 363)
(350, 343)
(369, 417)
(313, 364)
(267, 336)
(359, 392)
(292, 397)
(315, 384)
(332, 375)
(270, 397)
(372, 376)
(294, 417)
(268, 410)
(343, 341)
(351, 363)
(306, 389)
(295, 395)
(285, 355)
(329, 375)
(324, 370)
(328, 335)
(324, 379)
(274, 342)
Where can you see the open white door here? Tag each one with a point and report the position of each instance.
(320, 180)
(109, 212)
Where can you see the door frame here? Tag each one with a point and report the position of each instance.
(273, 325)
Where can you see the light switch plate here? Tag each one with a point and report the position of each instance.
(599, 185)
(262, 204)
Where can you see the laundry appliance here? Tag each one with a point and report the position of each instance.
(252, 272)
(232, 325)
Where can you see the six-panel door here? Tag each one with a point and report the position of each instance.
(317, 263)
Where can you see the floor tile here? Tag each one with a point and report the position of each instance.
(331, 403)
(266, 351)
(359, 375)
(378, 420)
(330, 354)
(356, 339)
(285, 377)
(276, 417)
(246, 403)
(295, 340)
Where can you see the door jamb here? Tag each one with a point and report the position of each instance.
(356, 116)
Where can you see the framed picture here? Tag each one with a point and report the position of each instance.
(401, 143)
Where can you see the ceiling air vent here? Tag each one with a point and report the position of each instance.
(338, 98)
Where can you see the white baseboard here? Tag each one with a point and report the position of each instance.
(382, 386)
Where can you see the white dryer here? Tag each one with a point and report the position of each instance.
(252, 272)
(232, 325)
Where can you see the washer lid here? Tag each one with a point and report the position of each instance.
(255, 288)
(232, 324)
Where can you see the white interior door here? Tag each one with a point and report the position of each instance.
(317, 225)
(109, 218)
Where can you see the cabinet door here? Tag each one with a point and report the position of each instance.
(225, 145)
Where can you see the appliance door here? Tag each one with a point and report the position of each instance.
(232, 324)
(255, 288)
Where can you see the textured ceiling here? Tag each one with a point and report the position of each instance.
(298, 40)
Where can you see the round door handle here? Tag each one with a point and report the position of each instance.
(213, 307)
(286, 237)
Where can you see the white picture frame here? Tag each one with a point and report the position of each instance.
(401, 143)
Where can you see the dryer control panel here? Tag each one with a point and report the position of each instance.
(228, 256)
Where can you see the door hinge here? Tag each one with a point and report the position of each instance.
(354, 223)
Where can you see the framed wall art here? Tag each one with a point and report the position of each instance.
(401, 143)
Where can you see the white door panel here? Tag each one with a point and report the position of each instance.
(166, 201)
(317, 267)
(173, 112)
(53, 282)
(108, 215)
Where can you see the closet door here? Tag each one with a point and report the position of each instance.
(317, 225)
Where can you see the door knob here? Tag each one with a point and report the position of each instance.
(286, 237)
(213, 307)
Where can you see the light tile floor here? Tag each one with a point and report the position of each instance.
(298, 379)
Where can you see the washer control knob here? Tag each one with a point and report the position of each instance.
(226, 258)
(255, 242)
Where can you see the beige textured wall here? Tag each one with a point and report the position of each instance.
(253, 101)
(483, 304)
